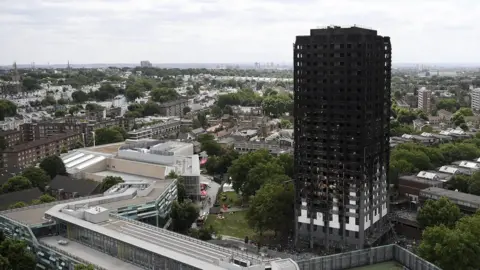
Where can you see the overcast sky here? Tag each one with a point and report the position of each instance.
(226, 31)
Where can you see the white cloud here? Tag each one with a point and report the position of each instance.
(193, 31)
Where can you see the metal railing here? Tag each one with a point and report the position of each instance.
(232, 253)
(367, 257)
(71, 256)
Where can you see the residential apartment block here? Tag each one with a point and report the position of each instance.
(40, 130)
(425, 100)
(476, 99)
(158, 130)
(21, 156)
(341, 138)
(173, 108)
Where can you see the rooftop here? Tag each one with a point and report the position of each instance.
(33, 215)
(82, 187)
(417, 179)
(80, 160)
(107, 148)
(125, 176)
(91, 255)
(188, 250)
(457, 197)
(158, 188)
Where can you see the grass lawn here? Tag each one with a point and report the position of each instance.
(231, 198)
(381, 266)
(232, 225)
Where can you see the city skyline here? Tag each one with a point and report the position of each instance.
(211, 31)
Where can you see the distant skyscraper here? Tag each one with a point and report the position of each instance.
(145, 64)
(425, 100)
(342, 112)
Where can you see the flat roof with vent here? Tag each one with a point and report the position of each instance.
(427, 175)
(469, 164)
(448, 169)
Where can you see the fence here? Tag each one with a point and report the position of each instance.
(70, 256)
(366, 257)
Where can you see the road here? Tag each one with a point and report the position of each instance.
(211, 192)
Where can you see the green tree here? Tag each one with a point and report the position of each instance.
(272, 207)
(474, 184)
(172, 175)
(459, 151)
(105, 92)
(242, 166)
(220, 164)
(4, 263)
(84, 267)
(464, 111)
(53, 165)
(37, 176)
(60, 113)
(16, 183)
(286, 124)
(439, 212)
(286, 161)
(18, 256)
(108, 135)
(74, 109)
(212, 148)
(450, 105)
(460, 183)
(79, 96)
(181, 191)
(464, 127)
(49, 100)
(132, 94)
(458, 119)
(163, 94)
(202, 138)
(109, 182)
(151, 108)
(122, 131)
(3, 143)
(183, 215)
(92, 107)
(277, 105)
(216, 111)
(186, 110)
(30, 84)
(17, 205)
(258, 175)
(418, 160)
(453, 248)
(7, 109)
(45, 198)
(244, 97)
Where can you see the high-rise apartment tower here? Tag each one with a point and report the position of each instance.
(342, 112)
(425, 100)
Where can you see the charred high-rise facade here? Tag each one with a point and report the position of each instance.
(342, 112)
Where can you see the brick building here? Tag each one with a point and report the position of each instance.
(27, 154)
(10, 138)
(34, 141)
(40, 130)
